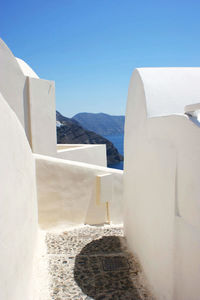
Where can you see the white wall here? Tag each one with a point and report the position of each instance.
(26, 69)
(33, 101)
(169, 90)
(66, 189)
(187, 261)
(90, 154)
(67, 193)
(162, 208)
(186, 143)
(12, 82)
(18, 208)
(42, 116)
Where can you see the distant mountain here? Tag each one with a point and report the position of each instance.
(69, 131)
(60, 119)
(101, 123)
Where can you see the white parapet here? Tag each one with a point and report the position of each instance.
(67, 193)
(90, 154)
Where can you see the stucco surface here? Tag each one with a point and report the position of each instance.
(90, 154)
(42, 116)
(26, 69)
(12, 82)
(18, 208)
(33, 101)
(169, 90)
(187, 261)
(161, 189)
(67, 193)
(67, 190)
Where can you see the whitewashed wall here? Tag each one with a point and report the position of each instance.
(18, 208)
(33, 101)
(90, 154)
(67, 193)
(161, 187)
(66, 190)
(26, 69)
(42, 112)
(12, 83)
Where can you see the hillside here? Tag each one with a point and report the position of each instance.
(101, 123)
(69, 131)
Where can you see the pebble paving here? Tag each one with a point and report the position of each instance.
(93, 262)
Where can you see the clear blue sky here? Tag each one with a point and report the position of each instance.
(90, 47)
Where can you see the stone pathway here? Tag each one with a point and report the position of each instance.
(92, 262)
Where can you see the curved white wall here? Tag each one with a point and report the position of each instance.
(26, 69)
(12, 82)
(169, 90)
(161, 186)
(18, 208)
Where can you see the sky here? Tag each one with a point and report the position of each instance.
(91, 47)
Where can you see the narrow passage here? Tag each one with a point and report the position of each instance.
(93, 262)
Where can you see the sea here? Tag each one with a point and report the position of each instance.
(118, 141)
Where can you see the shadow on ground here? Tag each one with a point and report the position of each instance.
(105, 270)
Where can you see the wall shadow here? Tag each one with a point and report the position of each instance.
(104, 270)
